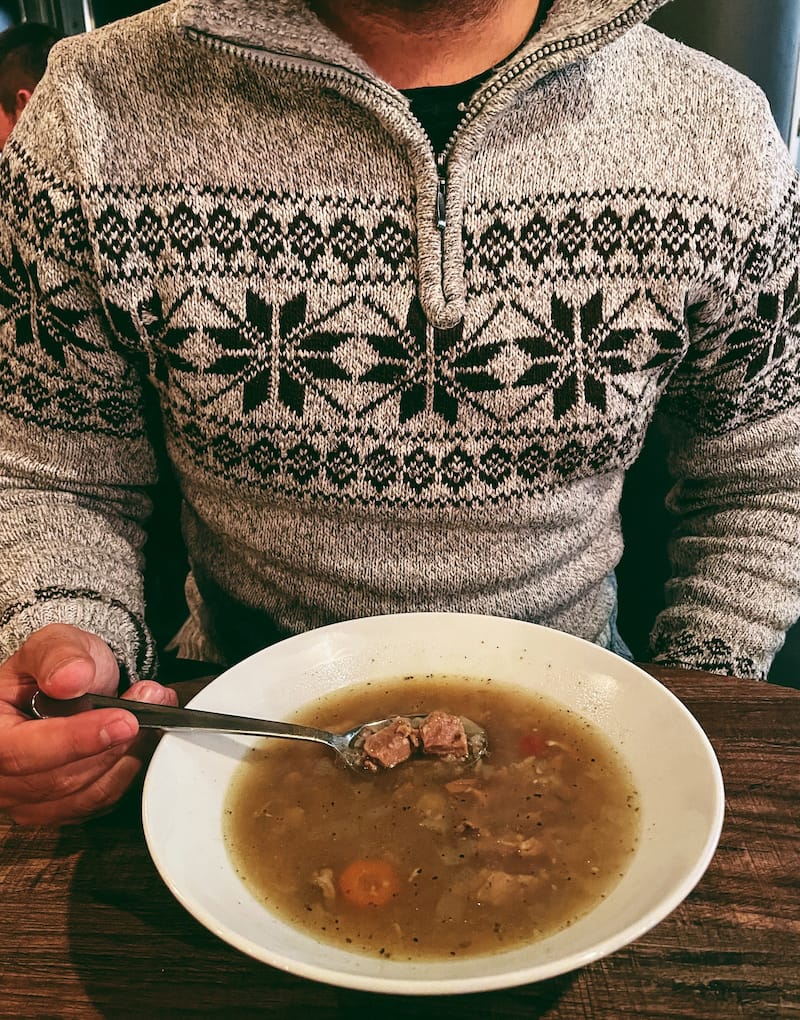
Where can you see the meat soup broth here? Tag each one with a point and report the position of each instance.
(434, 859)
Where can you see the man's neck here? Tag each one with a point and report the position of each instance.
(412, 50)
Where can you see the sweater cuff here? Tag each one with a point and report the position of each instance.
(685, 650)
(123, 631)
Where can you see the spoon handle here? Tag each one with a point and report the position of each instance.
(165, 717)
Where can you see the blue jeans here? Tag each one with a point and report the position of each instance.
(615, 641)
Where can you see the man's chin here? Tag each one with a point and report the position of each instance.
(455, 11)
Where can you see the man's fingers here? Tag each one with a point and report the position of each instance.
(57, 783)
(152, 692)
(34, 746)
(51, 761)
(95, 798)
(66, 662)
(65, 770)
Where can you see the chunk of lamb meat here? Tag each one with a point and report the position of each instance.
(444, 736)
(392, 744)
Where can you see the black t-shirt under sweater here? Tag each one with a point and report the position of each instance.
(439, 107)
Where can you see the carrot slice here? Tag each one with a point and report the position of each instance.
(533, 745)
(369, 883)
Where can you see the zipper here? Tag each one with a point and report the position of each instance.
(441, 194)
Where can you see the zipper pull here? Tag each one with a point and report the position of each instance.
(441, 204)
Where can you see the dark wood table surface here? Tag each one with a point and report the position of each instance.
(87, 929)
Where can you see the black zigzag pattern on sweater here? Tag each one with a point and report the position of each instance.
(292, 352)
(686, 650)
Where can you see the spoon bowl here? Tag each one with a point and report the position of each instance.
(348, 746)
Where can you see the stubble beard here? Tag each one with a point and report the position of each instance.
(450, 13)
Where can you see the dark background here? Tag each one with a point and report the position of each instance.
(111, 10)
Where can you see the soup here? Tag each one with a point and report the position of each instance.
(435, 859)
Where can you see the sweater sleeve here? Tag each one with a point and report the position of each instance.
(75, 462)
(732, 418)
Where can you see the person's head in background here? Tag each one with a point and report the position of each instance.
(23, 58)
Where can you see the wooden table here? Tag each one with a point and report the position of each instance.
(87, 929)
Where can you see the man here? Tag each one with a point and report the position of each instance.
(399, 367)
(23, 59)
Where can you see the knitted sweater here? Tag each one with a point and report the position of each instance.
(387, 385)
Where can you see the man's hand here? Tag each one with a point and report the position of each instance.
(55, 771)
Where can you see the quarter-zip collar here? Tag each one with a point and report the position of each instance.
(288, 28)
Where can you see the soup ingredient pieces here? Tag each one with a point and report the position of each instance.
(444, 735)
(436, 859)
(439, 734)
(392, 744)
(323, 880)
(533, 744)
(369, 882)
(501, 889)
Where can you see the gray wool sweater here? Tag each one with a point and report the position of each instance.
(389, 385)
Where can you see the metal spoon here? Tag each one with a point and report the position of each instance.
(349, 746)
